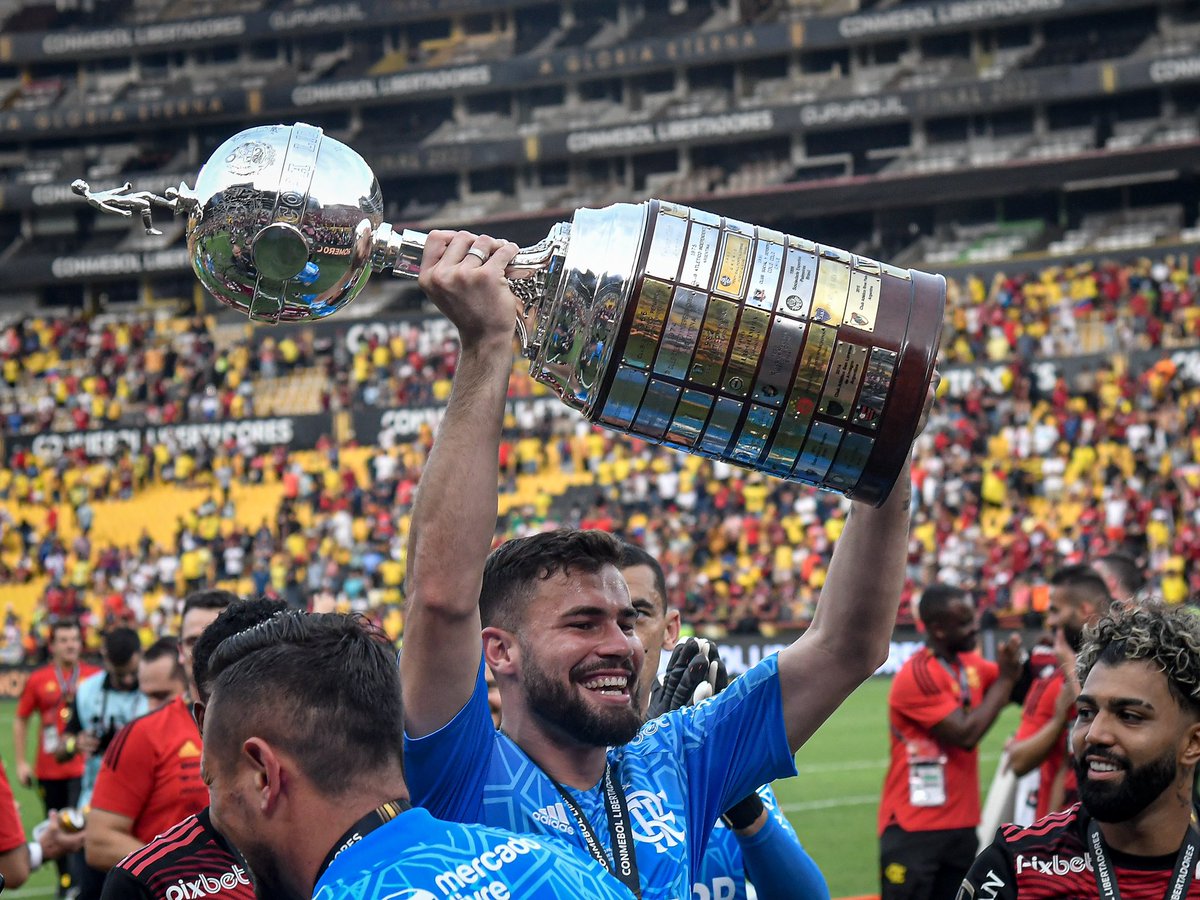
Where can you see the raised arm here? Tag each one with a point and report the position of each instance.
(965, 729)
(454, 515)
(850, 634)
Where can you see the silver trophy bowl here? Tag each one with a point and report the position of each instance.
(282, 224)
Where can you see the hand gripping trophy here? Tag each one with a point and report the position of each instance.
(681, 327)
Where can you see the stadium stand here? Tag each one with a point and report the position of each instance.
(1006, 473)
(840, 117)
(1042, 155)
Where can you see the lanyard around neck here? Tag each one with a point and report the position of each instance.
(623, 865)
(66, 685)
(1106, 876)
(959, 671)
(380, 815)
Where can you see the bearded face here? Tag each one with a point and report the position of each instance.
(597, 704)
(1127, 741)
(1126, 789)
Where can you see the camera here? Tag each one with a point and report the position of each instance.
(104, 735)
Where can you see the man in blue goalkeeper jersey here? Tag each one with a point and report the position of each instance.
(303, 758)
(573, 760)
(753, 846)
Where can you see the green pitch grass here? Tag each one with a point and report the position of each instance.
(832, 804)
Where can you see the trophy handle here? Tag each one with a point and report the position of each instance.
(533, 274)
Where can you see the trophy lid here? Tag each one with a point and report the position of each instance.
(281, 223)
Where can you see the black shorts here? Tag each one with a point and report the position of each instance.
(924, 865)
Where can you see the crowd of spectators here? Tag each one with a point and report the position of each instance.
(76, 373)
(1013, 478)
(79, 373)
(1138, 305)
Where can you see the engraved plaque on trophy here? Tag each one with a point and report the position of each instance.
(678, 326)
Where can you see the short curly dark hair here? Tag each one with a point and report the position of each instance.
(513, 568)
(1166, 637)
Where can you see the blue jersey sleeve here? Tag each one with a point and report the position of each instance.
(775, 861)
(447, 770)
(736, 741)
(727, 746)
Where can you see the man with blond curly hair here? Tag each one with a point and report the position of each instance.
(1135, 746)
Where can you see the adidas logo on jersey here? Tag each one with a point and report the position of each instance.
(554, 816)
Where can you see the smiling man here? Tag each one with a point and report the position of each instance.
(558, 632)
(1135, 745)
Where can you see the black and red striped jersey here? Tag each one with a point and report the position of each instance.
(1050, 859)
(189, 861)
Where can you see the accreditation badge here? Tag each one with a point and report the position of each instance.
(926, 774)
(927, 784)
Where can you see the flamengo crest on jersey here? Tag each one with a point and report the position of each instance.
(653, 821)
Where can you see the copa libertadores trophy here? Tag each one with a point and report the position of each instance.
(707, 334)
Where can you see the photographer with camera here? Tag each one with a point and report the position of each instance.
(150, 777)
(105, 703)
